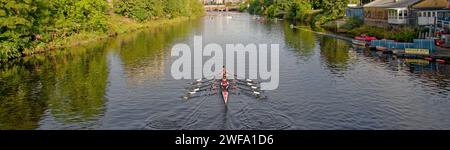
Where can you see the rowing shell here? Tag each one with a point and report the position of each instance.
(224, 94)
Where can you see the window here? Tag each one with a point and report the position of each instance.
(434, 14)
(429, 14)
(405, 13)
(419, 14)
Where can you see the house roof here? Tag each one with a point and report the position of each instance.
(431, 4)
(392, 3)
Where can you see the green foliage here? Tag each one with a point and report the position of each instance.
(243, 6)
(27, 25)
(332, 10)
(299, 9)
(152, 9)
(352, 23)
(290, 9)
(139, 9)
(256, 7)
(404, 34)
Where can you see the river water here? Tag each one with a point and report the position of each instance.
(126, 83)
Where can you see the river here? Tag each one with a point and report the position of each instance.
(126, 83)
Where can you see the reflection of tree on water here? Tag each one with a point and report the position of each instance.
(302, 41)
(20, 107)
(434, 74)
(143, 53)
(335, 53)
(76, 89)
(437, 73)
(70, 83)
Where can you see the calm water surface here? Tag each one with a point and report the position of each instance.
(125, 83)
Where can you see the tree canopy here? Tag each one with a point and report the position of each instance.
(297, 9)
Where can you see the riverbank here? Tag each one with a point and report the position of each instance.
(438, 55)
(124, 83)
(118, 25)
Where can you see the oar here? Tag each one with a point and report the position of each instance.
(196, 90)
(256, 94)
(250, 85)
(250, 90)
(198, 86)
(187, 97)
(244, 80)
(201, 81)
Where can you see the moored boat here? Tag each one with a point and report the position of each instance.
(441, 61)
(359, 42)
(428, 58)
(381, 48)
(363, 40)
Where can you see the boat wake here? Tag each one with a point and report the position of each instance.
(263, 119)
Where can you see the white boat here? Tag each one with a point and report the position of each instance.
(359, 42)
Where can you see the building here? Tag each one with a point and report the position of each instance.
(384, 13)
(443, 20)
(354, 11)
(426, 12)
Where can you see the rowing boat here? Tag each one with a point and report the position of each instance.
(225, 86)
(225, 93)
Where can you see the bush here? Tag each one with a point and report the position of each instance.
(139, 9)
(404, 34)
(332, 10)
(352, 23)
(298, 10)
(243, 6)
(152, 9)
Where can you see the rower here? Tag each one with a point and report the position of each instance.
(224, 72)
(225, 84)
(224, 78)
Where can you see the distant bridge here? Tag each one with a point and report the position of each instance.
(221, 8)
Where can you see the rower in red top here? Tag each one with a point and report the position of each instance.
(224, 78)
(225, 84)
(224, 72)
